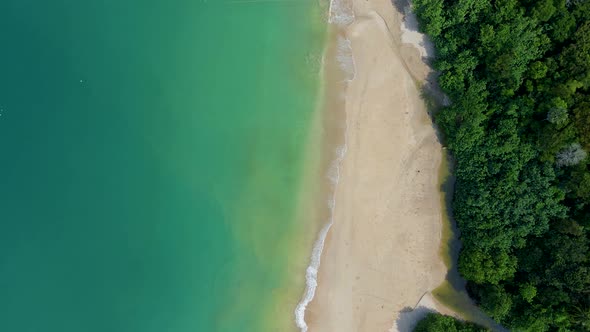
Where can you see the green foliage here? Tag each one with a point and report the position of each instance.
(518, 76)
(558, 112)
(491, 267)
(441, 323)
(538, 70)
(430, 14)
(528, 292)
(582, 122)
(496, 302)
(543, 10)
(575, 58)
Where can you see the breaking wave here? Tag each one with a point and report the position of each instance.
(311, 274)
(340, 14)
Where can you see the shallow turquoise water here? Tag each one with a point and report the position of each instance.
(150, 157)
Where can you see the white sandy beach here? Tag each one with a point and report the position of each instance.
(381, 255)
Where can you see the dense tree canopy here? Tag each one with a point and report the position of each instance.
(518, 126)
(440, 323)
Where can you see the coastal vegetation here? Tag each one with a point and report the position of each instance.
(434, 322)
(518, 125)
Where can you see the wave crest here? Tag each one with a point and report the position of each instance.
(340, 14)
(311, 273)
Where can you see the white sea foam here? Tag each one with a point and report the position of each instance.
(345, 58)
(340, 14)
(334, 170)
(311, 274)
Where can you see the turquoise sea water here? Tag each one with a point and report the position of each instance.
(150, 159)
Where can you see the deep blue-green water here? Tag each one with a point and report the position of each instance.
(150, 156)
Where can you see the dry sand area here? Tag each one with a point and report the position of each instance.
(382, 253)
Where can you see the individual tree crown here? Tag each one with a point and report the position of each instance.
(571, 155)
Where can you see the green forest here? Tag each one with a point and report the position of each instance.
(440, 323)
(518, 126)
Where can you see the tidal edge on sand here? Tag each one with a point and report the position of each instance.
(380, 248)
